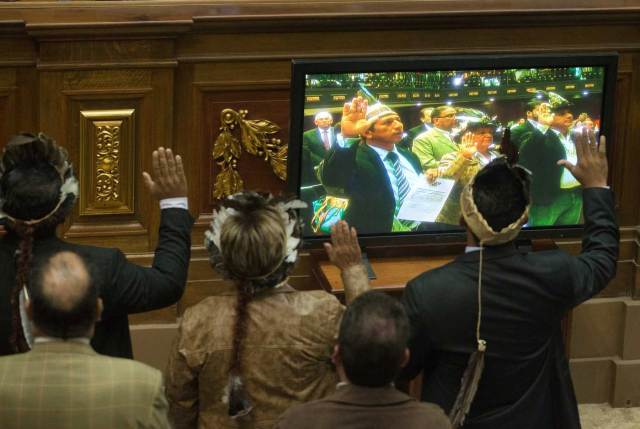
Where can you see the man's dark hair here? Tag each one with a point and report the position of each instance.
(501, 193)
(64, 307)
(30, 191)
(437, 112)
(373, 338)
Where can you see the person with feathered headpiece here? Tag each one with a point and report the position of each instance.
(242, 358)
(37, 193)
(486, 327)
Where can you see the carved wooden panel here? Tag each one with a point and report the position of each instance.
(107, 161)
(261, 103)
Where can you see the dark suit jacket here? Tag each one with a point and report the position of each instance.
(359, 172)
(357, 407)
(125, 288)
(312, 143)
(526, 381)
(540, 153)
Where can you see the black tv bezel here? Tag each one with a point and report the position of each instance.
(301, 67)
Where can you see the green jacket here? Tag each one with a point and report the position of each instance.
(431, 146)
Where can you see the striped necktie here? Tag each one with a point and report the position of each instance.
(325, 140)
(402, 183)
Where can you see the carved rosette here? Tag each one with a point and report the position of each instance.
(256, 137)
(107, 163)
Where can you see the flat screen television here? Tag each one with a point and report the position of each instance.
(388, 143)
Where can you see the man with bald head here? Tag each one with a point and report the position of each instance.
(62, 381)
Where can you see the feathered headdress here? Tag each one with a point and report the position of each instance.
(247, 202)
(26, 150)
(502, 168)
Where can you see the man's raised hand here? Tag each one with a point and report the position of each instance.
(344, 250)
(351, 114)
(591, 170)
(169, 180)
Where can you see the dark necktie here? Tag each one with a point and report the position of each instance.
(401, 181)
(325, 140)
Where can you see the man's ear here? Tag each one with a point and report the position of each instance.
(405, 358)
(28, 307)
(335, 357)
(99, 308)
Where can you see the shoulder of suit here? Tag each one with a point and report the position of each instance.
(126, 367)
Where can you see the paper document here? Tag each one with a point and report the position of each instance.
(425, 200)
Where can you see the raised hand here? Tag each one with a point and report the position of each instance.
(468, 146)
(592, 169)
(353, 112)
(169, 180)
(344, 250)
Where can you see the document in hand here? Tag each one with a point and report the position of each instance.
(425, 200)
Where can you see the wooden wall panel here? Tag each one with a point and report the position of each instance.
(131, 81)
(176, 67)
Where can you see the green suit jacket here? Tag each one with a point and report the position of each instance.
(65, 384)
(431, 146)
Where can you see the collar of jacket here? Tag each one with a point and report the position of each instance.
(63, 347)
(490, 252)
(368, 396)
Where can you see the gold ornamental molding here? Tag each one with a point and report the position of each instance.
(106, 161)
(256, 138)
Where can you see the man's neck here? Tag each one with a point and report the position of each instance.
(386, 146)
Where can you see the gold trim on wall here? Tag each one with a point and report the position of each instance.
(107, 161)
(256, 137)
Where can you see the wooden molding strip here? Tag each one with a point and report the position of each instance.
(133, 64)
(109, 30)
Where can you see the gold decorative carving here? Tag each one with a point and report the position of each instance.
(256, 137)
(107, 163)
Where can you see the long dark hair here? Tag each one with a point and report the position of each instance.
(32, 170)
(253, 253)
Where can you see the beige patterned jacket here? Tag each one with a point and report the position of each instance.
(286, 357)
(65, 384)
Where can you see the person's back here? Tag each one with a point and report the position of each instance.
(62, 382)
(37, 192)
(526, 381)
(244, 358)
(371, 350)
(286, 353)
(68, 385)
(524, 296)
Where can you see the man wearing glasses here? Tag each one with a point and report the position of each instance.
(432, 145)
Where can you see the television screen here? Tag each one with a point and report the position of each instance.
(388, 144)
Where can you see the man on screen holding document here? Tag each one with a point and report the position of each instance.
(374, 173)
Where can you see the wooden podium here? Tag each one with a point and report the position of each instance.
(393, 266)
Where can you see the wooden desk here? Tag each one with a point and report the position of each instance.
(392, 274)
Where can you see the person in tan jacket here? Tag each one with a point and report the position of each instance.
(240, 360)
